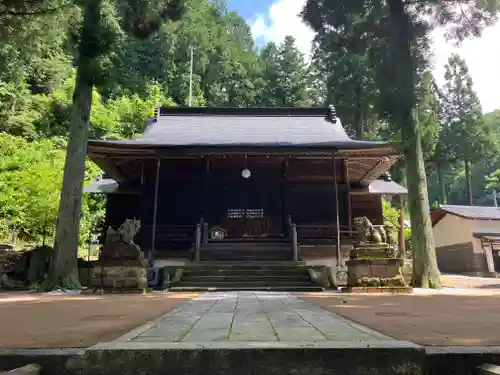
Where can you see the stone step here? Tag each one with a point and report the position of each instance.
(208, 258)
(244, 257)
(253, 265)
(252, 272)
(238, 287)
(234, 284)
(245, 252)
(240, 247)
(249, 243)
(257, 250)
(245, 277)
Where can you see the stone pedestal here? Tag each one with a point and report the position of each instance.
(374, 268)
(375, 272)
(120, 274)
(372, 251)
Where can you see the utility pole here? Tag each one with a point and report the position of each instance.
(191, 77)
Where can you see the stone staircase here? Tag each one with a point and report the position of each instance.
(246, 251)
(219, 276)
(246, 266)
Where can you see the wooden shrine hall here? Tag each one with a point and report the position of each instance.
(199, 177)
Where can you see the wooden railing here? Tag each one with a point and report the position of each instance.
(295, 240)
(319, 231)
(204, 230)
(197, 245)
(167, 232)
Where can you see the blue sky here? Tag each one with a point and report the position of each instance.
(248, 9)
(251, 10)
(272, 20)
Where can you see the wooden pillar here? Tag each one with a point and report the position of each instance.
(206, 187)
(337, 226)
(155, 210)
(349, 206)
(206, 196)
(401, 227)
(284, 199)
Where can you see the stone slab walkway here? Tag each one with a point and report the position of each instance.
(250, 317)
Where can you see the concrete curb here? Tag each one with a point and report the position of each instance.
(387, 357)
(459, 360)
(245, 358)
(52, 361)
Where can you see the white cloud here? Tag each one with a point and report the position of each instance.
(481, 54)
(284, 20)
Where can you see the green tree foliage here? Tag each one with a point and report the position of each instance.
(342, 58)
(226, 67)
(30, 183)
(287, 76)
(391, 214)
(31, 167)
(471, 139)
(30, 177)
(400, 38)
(102, 25)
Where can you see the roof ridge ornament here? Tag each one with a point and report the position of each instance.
(156, 115)
(332, 114)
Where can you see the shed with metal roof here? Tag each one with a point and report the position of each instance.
(464, 237)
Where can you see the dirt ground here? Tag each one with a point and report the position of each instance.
(459, 281)
(425, 319)
(41, 321)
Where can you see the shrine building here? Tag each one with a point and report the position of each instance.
(234, 185)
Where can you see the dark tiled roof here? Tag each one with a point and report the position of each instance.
(490, 236)
(213, 127)
(472, 212)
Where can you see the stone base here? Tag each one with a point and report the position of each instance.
(375, 273)
(320, 276)
(98, 291)
(120, 275)
(372, 251)
(383, 289)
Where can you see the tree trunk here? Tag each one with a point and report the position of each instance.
(442, 187)
(468, 184)
(360, 131)
(425, 270)
(63, 271)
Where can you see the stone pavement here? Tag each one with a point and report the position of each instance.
(250, 317)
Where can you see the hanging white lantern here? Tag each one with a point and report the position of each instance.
(245, 173)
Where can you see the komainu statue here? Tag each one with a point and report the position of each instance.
(128, 230)
(120, 243)
(368, 233)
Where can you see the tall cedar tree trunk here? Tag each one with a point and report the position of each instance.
(442, 187)
(425, 270)
(468, 184)
(63, 270)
